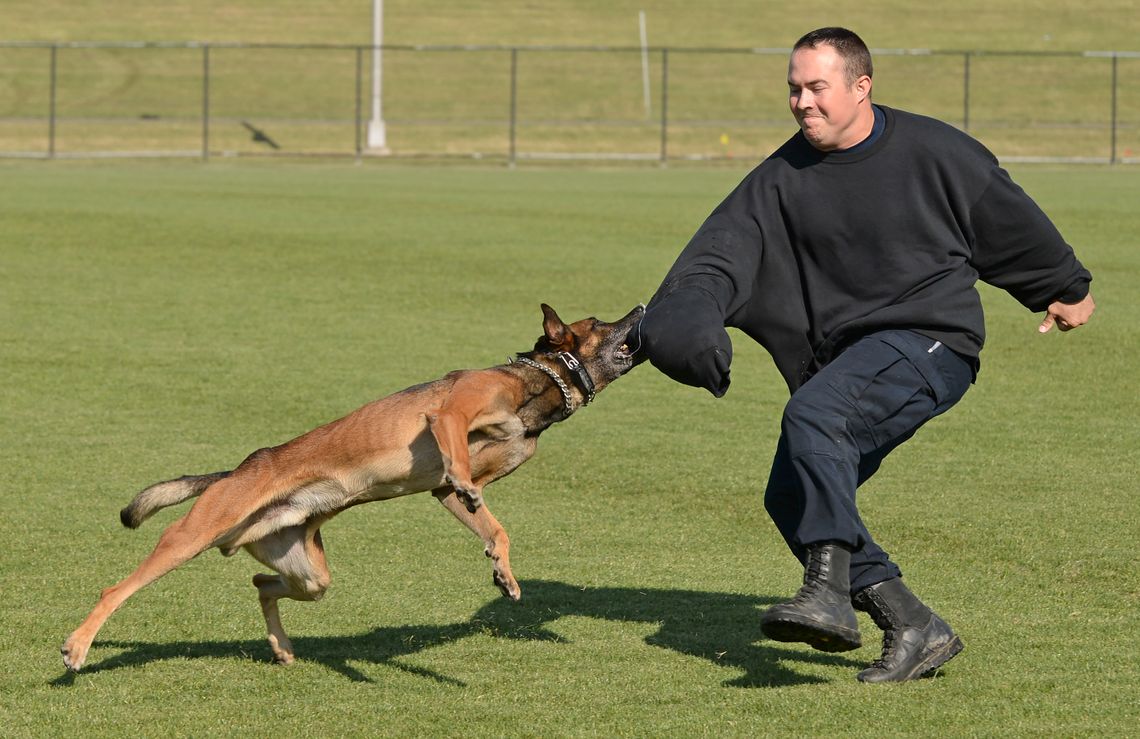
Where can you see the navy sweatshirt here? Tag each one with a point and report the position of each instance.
(814, 250)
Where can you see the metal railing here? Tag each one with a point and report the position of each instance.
(530, 103)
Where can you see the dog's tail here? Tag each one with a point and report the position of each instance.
(163, 494)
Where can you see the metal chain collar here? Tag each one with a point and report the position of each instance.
(567, 400)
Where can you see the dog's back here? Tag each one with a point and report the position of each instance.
(393, 422)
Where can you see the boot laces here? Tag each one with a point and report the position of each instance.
(813, 579)
(884, 660)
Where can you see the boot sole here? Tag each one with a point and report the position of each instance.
(927, 667)
(823, 637)
(939, 658)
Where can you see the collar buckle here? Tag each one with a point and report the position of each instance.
(580, 376)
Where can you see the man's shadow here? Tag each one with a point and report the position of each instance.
(722, 628)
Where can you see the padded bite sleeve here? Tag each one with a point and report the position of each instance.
(684, 337)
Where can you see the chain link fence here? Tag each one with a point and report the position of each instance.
(530, 103)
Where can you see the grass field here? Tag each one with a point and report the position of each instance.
(157, 320)
(458, 103)
(1041, 25)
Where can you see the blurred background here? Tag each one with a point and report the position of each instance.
(653, 80)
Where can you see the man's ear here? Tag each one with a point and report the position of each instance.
(863, 86)
(557, 332)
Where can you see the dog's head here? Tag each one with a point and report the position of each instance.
(603, 349)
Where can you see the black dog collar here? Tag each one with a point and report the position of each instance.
(579, 374)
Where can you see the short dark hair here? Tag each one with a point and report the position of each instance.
(855, 54)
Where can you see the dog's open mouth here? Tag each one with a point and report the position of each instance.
(624, 357)
(626, 351)
(632, 343)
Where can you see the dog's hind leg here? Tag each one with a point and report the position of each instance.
(270, 588)
(298, 555)
(497, 545)
(180, 542)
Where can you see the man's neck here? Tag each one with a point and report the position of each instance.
(870, 125)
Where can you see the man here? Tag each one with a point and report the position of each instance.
(851, 255)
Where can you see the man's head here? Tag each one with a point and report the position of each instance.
(829, 88)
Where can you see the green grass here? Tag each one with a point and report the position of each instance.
(157, 320)
(1042, 25)
(458, 103)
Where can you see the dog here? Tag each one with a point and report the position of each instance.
(452, 436)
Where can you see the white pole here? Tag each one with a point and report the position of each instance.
(645, 63)
(377, 132)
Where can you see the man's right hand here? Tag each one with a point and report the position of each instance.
(1067, 316)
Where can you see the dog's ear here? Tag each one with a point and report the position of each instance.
(557, 332)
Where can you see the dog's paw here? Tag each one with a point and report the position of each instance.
(74, 655)
(502, 576)
(282, 649)
(470, 495)
(506, 585)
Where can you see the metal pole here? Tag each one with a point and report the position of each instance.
(514, 104)
(51, 105)
(664, 106)
(206, 102)
(966, 96)
(1112, 158)
(377, 131)
(645, 65)
(359, 142)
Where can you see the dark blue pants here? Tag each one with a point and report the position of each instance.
(838, 427)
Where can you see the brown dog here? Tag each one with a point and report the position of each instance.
(452, 436)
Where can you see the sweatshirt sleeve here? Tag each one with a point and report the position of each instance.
(1017, 248)
(683, 331)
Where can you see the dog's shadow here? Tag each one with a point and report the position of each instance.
(722, 628)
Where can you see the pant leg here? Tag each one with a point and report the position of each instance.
(838, 427)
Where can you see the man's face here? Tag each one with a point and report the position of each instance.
(831, 113)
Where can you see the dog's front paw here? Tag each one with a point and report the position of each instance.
(501, 575)
(470, 495)
(508, 587)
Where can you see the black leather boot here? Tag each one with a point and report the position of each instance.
(916, 643)
(821, 614)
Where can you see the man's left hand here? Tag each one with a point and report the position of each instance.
(1067, 316)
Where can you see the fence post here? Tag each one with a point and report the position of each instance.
(664, 107)
(205, 102)
(1112, 158)
(514, 104)
(52, 102)
(966, 94)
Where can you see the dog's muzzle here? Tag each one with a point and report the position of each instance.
(632, 344)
